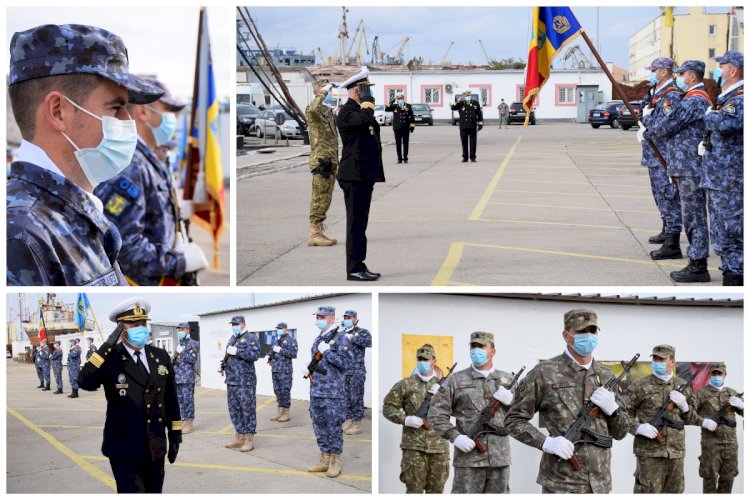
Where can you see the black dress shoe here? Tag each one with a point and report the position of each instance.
(464, 160)
(370, 272)
(473, 160)
(406, 160)
(399, 161)
(361, 276)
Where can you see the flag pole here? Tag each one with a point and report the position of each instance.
(616, 86)
(95, 323)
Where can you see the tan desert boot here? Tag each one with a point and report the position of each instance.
(239, 440)
(355, 428)
(321, 466)
(278, 414)
(248, 446)
(334, 467)
(317, 238)
(284, 415)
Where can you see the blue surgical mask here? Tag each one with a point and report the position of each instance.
(478, 356)
(164, 132)
(652, 79)
(424, 367)
(400, 102)
(680, 82)
(717, 74)
(658, 368)
(585, 343)
(138, 336)
(321, 324)
(236, 330)
(348, 323)
(279, 331)
(180, 335)
(113, 154)
(7, 168)
(717, 380)
(330, 101)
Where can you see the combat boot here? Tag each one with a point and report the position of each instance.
(347, 424)
(248, 446)
(278, 414)
(317, 238)
(733, 279)
(322, 466)
(187, 426)
(239, 440)
(58, 391)
(334, 466)
(41, 385)
(46, 387)
(695, 272)
(355, 428)
(73, 394)
(670, 249)
(284, 415)
(657, 238)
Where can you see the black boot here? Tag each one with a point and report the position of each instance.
(46, 387)
(73, 394)
(670, 249)
(733, 279)
(657, 238)
(41, 385)
(58, 391)
(695, 272)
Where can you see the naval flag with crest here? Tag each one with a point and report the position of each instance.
(552, 28)
(82, 309)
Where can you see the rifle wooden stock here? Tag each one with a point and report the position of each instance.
(575, 463)
(494, 406)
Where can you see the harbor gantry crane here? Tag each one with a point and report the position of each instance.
(485, 52)
(444, 59)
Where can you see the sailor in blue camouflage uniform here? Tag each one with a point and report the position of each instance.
(681, 131)
(657, 108)
(243, 350)
(723, 160)
(356, 375)
(44, 363)
(38, 366)
(141, 202)
(331, 351)
(284, 351)
(185, 359)
(92, 348)
(74, 366)
(68, 86)
(56, 362)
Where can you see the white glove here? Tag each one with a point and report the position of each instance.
(737, 403)
(680, 400)
(323, 347)
(328, 87)
(558, 446)
(231, 350)
(433, 390)
(605, 400)
(277, 348)
(647, 430)
(180, 348)
(709, 424)
(504, 396)
(701, 149)
(186, 209)
(647, 111)
(414, 422)
(639, 134)
(195, 259)
(464, 443)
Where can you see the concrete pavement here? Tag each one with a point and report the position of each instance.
(552, 204)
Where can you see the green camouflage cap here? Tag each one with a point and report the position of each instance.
(482, 338)
(578, 319)
(663, 351)
(426, 352)
(717, 366)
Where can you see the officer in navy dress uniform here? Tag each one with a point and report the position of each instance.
(470, 119)
(142, 406)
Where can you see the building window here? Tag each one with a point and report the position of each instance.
(711, 53)
(392, 90)
(432, 94)
(484, 93)
(565, 95)
(711, 30)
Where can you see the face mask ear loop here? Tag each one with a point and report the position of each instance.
(82, 109)
(71, 142)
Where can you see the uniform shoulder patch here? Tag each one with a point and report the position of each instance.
(116, 204)
(667, 107)
(729, 108)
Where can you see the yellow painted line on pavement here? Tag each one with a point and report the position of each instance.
(79, 460)
(533, 205)
(224, 430)
(575, 194)
(492, 186)
(578, 183)
(449, 265)
(264, 404)
(570, 224)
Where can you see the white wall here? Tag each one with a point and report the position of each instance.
(215, 332)
(526, 331)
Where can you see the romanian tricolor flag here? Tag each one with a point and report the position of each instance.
(551, 30)
(42, 329)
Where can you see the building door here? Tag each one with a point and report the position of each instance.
(587, 97)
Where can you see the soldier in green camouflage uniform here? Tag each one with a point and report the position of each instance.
(464, 395)
(556, 388)
(659, 467)
(324, 160)
(424, 460)
(718, 460)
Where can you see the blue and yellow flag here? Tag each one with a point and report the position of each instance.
(552, 28)
(82, 309)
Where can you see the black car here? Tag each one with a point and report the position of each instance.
(516, 113)
(605, 114)
(246, 115)
(624, 117)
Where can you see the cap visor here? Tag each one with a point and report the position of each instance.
(139, 90)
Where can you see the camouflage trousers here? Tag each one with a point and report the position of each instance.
(73, 372)
(667, 199)
(328, 416)
(718, 467)
(45, 373)
(481, 479)
(57, 370)
(581, 489)
(355, 393)
(322, 194)
(186, 400)
(39, 373)
(423, 472)
(727, 218)
(282, 388)
(241, 401)
(659, 475)
(694, 218)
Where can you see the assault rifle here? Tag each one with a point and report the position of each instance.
(721, 417)
(422, 411)
(314, 365)
(662, 416)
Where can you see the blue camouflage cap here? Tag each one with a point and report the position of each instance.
(732, 57)
(325, 310)
(692, 65)
(661, 63)
(71, 49)
(175, 105)
(282, 325)
(351, 313)
(236, 320)
(184, 325)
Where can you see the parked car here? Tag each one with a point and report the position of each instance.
(422, 113)
(623, 115)
(605, 114)
(246, 115)
(454, 112)
(265, 124)
(382, 116)
(516, 113)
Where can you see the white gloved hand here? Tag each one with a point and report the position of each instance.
(414, 422)
(647, 430)
(464, 443)
(277, 348)
(323, 347)
(433, 390)
(639, 134)
(558, 446)
(180, 348)
(186, 209)
(231, 350)
(647, 111)
(709, 424)
(680, 400)
(701, 149)
(503, 395)
(328, 87)
(737, 403)
(195, 259)
(605, 400)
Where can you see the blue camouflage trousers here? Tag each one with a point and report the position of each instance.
(667, 199)
(241, 400)
(282, 388)
(186, 400)
(73, 372)
(727, 218)
(39, 373)
(58, 375)
(45, 373)
(327, 416)
(694, 218)
(355, 394)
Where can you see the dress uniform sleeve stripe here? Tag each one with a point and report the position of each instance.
(177, 425)
(96, 360)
